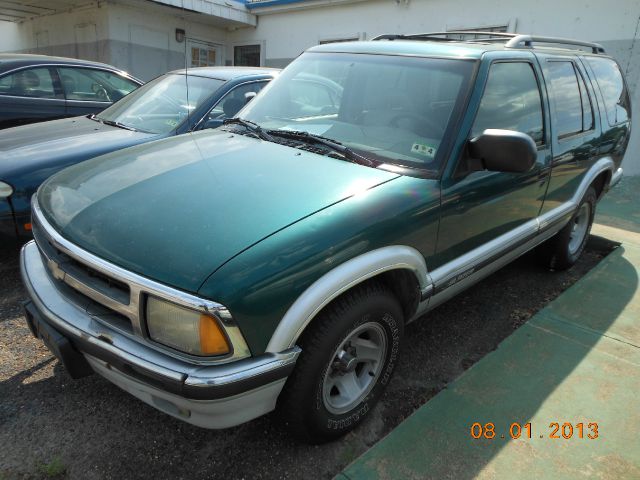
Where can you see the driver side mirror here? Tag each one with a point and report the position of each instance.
(504, 151)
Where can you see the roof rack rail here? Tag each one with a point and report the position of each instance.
(445, 36)
(511, 40)
(527, 41)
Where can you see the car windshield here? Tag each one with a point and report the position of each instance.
(162, 104)
(391, 109)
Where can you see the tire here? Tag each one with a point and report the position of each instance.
(563, 250)
(334, 387)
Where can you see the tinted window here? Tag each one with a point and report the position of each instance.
(234, 100)
(94, 85)
(573, 112)
(587, 105)
(612, 86)
(32, 82)
(511, 101)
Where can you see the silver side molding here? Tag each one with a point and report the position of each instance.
(341, 279)
(458, 274)
(616, 177)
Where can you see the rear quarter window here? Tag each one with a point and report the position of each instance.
(572, 106)
(613, 89)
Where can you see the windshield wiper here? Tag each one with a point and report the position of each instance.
(334, 145)
(251, 126)
(113, 123)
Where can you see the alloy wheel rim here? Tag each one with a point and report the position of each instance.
(579, 228)
(354, 368)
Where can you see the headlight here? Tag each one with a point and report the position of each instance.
(184, 329)
(5, 190)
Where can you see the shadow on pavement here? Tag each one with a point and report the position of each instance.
(577, 360)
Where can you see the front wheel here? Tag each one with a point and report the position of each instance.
(348, 355)
(563, 250)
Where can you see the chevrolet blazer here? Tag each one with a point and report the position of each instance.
(272, 264)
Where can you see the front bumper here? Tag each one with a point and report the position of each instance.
(211, 396)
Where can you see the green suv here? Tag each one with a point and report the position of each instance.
(273, 263)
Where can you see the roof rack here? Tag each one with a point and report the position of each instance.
(511, 40)
(528, 40)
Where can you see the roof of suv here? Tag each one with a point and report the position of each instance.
(409, 47)
(435, 47)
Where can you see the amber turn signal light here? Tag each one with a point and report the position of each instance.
(212, 339)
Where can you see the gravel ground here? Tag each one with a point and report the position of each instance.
(55, 427)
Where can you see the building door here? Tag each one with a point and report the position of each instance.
(246, 55)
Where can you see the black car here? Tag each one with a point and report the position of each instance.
(172, 104)
(35, 88)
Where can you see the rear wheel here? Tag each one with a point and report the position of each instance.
(348, 356)
(563, 250)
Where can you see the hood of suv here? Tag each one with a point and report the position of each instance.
(175, 210)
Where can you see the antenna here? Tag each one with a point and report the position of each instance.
(186, 60)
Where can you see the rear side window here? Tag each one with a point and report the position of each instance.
(30, 82)
(94, 85)
(511, 101)
(613, 88)
(573, 111)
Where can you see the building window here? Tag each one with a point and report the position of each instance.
(203, 56)
(246, 55)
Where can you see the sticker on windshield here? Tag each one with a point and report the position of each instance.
(424, 149)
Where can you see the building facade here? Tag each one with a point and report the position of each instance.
(149, 37)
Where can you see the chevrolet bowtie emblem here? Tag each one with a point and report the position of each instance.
(55, 270)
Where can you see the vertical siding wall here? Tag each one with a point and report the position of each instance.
(614, 24)
(9, 37)
(145, 41)
(80, 33)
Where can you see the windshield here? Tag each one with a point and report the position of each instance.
(161, 105)
(392, 109)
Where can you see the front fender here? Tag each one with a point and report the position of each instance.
(338, 281)
(274, 288)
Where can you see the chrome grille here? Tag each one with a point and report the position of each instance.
(110, 299)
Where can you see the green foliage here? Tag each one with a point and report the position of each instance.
(54, 469)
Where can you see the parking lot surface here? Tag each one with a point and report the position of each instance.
(55, 427)
(555, 400)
